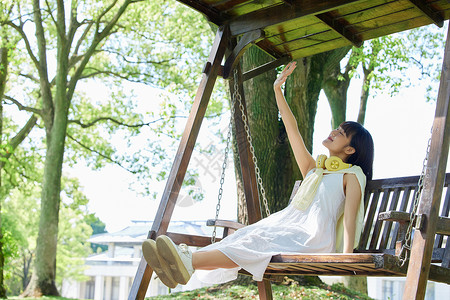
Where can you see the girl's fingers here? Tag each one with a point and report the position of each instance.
(286, 72)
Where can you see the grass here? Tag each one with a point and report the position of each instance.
(41, 298)
(287, 290)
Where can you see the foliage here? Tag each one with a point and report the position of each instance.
(21, 219)
(97, 227)
(98, 45)
(390, 59)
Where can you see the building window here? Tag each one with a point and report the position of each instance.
(388, 289)
(115, 288)
(89, 292)
(429, 294)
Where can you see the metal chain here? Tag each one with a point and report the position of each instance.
(237, 97)
(222, 176)
(406, 248)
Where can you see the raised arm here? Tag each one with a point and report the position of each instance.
(304, 159)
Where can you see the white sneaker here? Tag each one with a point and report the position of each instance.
(179, 258)
(157, 263)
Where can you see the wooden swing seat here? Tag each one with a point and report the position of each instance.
(387, 205)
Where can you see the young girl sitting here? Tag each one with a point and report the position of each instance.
(324, 216)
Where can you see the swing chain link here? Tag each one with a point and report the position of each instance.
(237, 97)
(222, 176)
(406, 248)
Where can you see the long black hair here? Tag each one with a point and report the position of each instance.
(362, 141)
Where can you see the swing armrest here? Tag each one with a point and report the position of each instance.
(395, 216)
(225, 224)
(403, 219)
(229, 227)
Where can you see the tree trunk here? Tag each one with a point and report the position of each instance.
(3, 75)
(269, 139)
(356, 283)
(335, 86)
(364, 96)
(43, 279)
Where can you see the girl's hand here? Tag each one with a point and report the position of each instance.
(284, 74)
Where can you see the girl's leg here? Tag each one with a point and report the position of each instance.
(210, 260)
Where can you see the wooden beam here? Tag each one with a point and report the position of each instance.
(265, 67)
(244, 43)
(248, 169)
(179, 167)
(422, 247)
(246, 162)
(284, 12)
(340, 29)
(434, 16)
(443, 226)
(209, 12)
(265, 290)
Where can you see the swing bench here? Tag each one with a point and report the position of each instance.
(404, 234)
(388, 204)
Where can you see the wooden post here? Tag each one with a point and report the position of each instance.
(248, 171)
(245, 156)
(422, 247)
(179, 167)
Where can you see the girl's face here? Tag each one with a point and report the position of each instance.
(338, 143)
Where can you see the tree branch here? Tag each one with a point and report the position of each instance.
(18, 138)
(98, 72)
(47, 98)
(137, 62)
(20, 106)
(19, 29)
(100, 154)
(75, 57)
(86, 125)
(29, 76)
(98, 37)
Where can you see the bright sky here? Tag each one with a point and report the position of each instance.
(400, 127)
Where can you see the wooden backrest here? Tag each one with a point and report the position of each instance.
(394, 194)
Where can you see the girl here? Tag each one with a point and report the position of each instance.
(324, 216)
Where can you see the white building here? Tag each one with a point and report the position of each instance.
(111, 273)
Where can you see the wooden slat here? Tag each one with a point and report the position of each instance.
(396, 230)
(370, 213)
(436, 18)
(443, 226)
(341, 27)
(445, 213)
(387, 228)
(378, 224)
(213, 14)
(401, 24)
(281, 13)
(318, 48)
(247, 7)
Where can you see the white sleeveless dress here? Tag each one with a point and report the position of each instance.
(287, 231)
